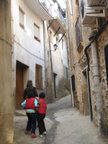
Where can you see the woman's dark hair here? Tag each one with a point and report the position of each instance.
(30, 89)
(29, 84)
(42, 95)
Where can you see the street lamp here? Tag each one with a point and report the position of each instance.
(55, 47)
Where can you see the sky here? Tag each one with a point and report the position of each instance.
(62, 3)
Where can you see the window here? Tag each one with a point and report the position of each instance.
(101, 22)
(73, 83)
(36, 32)
(55, 84)
(78, 32)
(21, 17)
(106, 61)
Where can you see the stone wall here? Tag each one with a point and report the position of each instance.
(77, 60)
(97, 74)
(102, 42)
(6, 85)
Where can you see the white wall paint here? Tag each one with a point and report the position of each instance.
(26, 49)
(59, 57)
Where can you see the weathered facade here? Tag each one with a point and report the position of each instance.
(88, 58)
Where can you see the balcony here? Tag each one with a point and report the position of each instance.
(90, 10)
(57, 17)
(95, 2)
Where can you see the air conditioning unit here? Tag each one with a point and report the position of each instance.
(95, 11)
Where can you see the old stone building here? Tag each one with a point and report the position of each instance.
(88, 42)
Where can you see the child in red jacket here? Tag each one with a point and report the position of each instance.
(41, 114)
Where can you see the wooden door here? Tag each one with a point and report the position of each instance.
(19, 86)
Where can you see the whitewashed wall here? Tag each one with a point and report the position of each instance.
(59, 57)
(26, 49)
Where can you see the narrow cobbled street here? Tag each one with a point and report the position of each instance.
(64, 126)
(54, 52)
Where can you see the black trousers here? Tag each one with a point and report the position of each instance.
(41, 123)
(31, 124)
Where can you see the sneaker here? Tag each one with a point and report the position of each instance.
(41, 136)
(44, 133)
(33, 135)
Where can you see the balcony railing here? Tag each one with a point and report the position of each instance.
(90, 10)
(95, 2)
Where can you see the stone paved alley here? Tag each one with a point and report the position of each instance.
(64, 126)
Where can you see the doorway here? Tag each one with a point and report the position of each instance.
(76, 102)
(86, 106)
(55, 83)
(87, 77)
(21, 79)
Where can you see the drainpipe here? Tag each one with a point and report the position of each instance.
(45, 52)
(69, 56)
(88, 83)
(48, 65)
(95, 70)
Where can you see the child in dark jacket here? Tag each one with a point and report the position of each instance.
(41, 114)
(30, 104)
